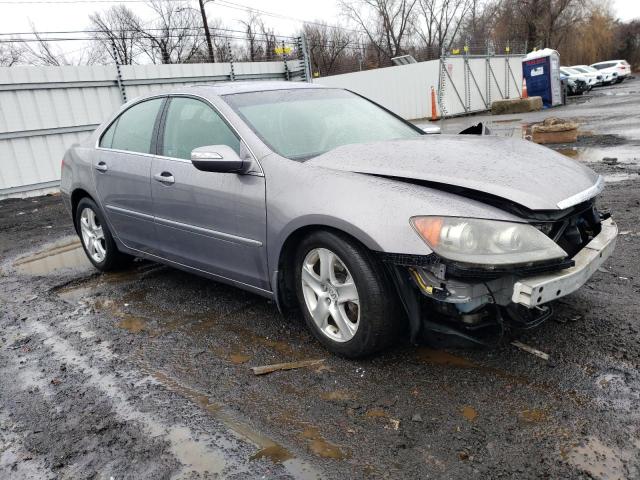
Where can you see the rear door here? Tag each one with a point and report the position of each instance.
(122, 173)
(215, 222)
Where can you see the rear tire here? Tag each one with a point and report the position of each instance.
(96, 238)
(345, 297)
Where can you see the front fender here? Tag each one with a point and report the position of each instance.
(374, 210)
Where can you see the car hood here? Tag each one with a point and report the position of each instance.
(522, 172)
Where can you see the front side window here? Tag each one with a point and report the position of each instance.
(134, 128)
(302, 123)
(190, 124)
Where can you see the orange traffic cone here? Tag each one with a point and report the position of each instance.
(524, 88)
(434, 110)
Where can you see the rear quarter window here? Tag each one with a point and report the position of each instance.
(107, 136)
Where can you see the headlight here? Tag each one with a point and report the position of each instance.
(486, 242)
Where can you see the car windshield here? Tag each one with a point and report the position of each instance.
(303, 123)
(581, 70)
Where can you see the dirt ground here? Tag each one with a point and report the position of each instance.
(145, 374)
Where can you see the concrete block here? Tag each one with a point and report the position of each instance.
(516, 105)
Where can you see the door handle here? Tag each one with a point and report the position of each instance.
(164, 177)
(102, 167)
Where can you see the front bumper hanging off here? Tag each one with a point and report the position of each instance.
(534, 291)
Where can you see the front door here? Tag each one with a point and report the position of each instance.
(215, 222)
(122, 168)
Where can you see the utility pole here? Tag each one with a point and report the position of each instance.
(206, 30)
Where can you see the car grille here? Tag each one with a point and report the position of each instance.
(575, 230)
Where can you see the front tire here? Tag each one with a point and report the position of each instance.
(344, 295)
(96, 238)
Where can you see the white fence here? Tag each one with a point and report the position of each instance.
(43, 110)
(463, 85)
(405, 90)
(470, 84)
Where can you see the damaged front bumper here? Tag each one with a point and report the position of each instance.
(468, 302)
(537, 290)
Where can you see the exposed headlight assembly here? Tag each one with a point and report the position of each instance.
(486, 242)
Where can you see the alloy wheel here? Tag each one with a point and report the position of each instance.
(92, 235)
(330, 294)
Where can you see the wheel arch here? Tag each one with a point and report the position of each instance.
(283, 275)
(77, 195)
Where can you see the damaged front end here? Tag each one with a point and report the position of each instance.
(476, 300)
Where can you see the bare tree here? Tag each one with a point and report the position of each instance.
(175, 37)
(41, 52)
(115, 35)
(627, 42)
(251, 25)
(441, 20)
(387, 23)
(327, 46)
(11, 53)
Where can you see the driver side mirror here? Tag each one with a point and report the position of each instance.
(216, 158)
(431, 129)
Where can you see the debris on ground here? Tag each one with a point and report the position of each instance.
(394, 424)
(554, 130)
(263, 370)
(531, 350)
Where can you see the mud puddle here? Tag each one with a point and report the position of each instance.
(600, 461)
(626, 155)
(469, 413)
(197, 452)
(63, 255)
(620, 177)
(266, 448)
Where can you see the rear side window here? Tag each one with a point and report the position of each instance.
(602, 66)
(134, 128)
(190, 124)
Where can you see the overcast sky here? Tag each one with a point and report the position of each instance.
(55, 16)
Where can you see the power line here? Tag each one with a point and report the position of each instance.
(89, 39)
(237, 6)
(133, 30)
(221, 3)
(56, 2)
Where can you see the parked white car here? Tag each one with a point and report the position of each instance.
(620, 69)
(576, 75)
(602, 78)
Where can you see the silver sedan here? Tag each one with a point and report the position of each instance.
(325, 202)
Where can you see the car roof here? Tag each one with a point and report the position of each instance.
(607, 61)
(227, 88)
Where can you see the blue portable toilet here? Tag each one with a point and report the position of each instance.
(541, 71)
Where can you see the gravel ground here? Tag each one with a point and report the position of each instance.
(146, 373)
